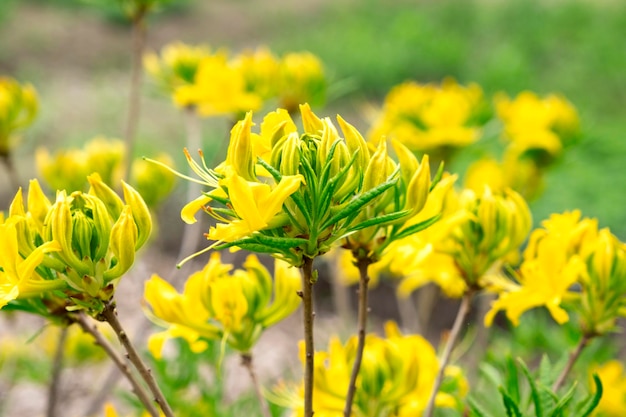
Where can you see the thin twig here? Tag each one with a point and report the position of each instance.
(573, 357)
(54, 389)
(363, 264)
(134, 94)
(139, 390)
(454, 334)
(246, 362)
(109, 314)
(309, 345)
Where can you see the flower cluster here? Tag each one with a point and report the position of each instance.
(214, 83)
(71, 253)
(535, 131)
(396, 377)
(430, 118)
(569, 262)
(68, 169)
(221, 303)
(295, 194)
(18, 108)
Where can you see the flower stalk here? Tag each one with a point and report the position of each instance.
(309, 345)
(573, 357)
(141, 393)
(363, 264)
(109, 314)
(246, 362)
(464, 309)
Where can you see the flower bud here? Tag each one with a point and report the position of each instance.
(140, 214)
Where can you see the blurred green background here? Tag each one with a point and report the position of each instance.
(77, 56)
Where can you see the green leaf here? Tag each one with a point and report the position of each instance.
(380, 220)
(546, 378)
(417, 227)
(511, 379)
(593, 402)
(512, 410)
(273, 171)
(477, 410)
(359, 202)
(275, 242)
(562, 403)
(533, 389)
(437, 177)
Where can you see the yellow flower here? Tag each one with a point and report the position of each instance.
(177, 65)
(396, 377)
(256, 206)
(428, 117)
(218, 89)
(18, 277)
(613, 401)
(534, 123)
(18, 108)
(301, 80)
(219, 303)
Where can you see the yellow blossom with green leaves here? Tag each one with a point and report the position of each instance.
(219, 302)
(430, 117)
(571, 263)
(94, 235)
(176, 66)
(536, 124)
(396, 377)
(313, 190)
(18, 107)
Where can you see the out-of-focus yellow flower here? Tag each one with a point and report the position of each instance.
(68, 169)
(18, 108)
(613, 401)
(177, 65)
(532, 123)
(79, 348)
(109, 411)
(18, 276)
(396, 377)
(218, 302)
(301, 80)
(428, 117)
(260, 70)
(152, 181)
(217, 89)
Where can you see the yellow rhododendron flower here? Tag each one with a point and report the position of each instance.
(18, 108)
(396, 376)
(427, 117)
(613, 401)
(18, 278)
(221, 303)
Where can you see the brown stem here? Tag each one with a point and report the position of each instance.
(363, 264)
(454, 334)
(109, 314)
(246, 362)
(309, 345)
(139, 390)
(55, 380)
(573, 357)
(134, 96)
